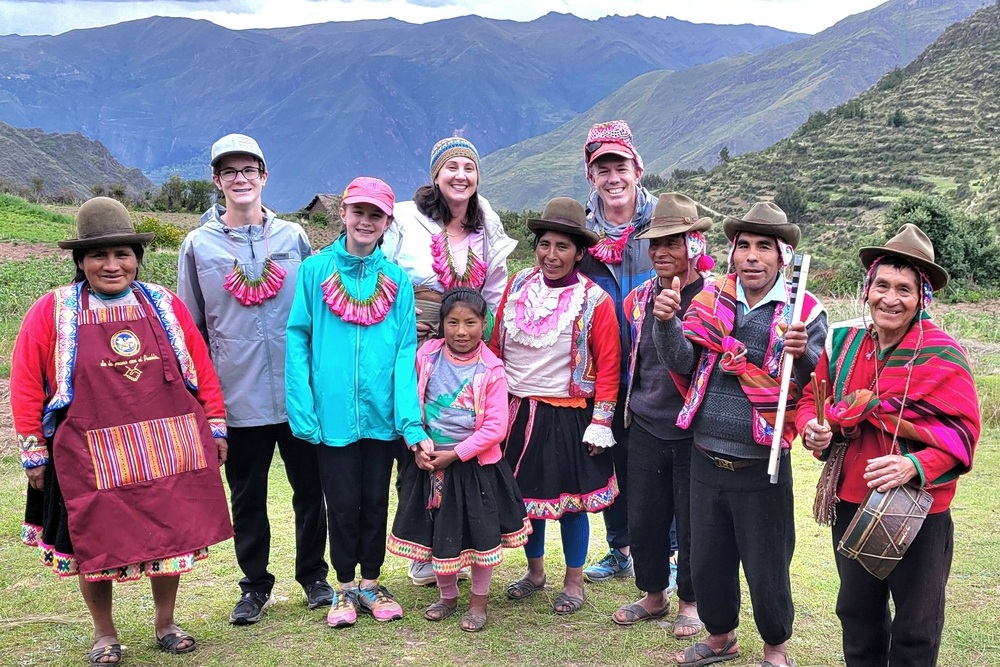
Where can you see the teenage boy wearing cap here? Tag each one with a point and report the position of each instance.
(660, 452)
(733, 340)
(352, 391)
(243, 319)
(619, 210)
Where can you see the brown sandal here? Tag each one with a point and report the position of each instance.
(472, 622)
(439, 610)
(523, 587)
(636, 613)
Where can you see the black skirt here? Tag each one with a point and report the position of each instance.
(467, 518)
(552, 465)
(46, 526)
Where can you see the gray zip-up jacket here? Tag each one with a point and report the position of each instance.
(247, 343)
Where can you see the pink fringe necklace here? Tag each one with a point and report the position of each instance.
(610, 250)
(254, 291)
(365, 312)
(443, 264)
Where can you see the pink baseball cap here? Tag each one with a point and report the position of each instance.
(367, 190)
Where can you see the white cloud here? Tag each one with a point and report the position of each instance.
(40, 17)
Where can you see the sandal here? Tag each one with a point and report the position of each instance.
(438, 611)
(172, 641)
(523, 587)
(109, 651)
(567, 604)
(636, 613)
(701, 653)
(691, 623)
(472, 622)
(768, 663)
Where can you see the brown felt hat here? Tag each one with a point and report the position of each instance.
(764, 218)
(566, 215)
(102, 223)
(912, 244)
(675, 213)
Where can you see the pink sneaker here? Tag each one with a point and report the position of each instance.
(379, 602)
(344, 610)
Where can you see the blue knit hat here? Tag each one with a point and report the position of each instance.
(451, 147)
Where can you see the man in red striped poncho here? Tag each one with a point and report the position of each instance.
(903, 410)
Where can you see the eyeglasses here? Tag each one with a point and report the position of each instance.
(249, 173)
(593, 146)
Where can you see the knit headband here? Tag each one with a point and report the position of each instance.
(449, 148)
(785, 250)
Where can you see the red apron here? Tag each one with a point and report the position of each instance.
(137, 463)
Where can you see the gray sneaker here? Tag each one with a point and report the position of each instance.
(422, 573)
(250, 608)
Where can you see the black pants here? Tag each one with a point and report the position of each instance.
(251, 450)
(912, 638)
(660, 475)
(356, 480)
(738, 516)
(616, 517)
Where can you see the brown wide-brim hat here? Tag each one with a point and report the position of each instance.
(766, 218)
(913, 245)
(102, 223)
(566, 215)
(675, 213)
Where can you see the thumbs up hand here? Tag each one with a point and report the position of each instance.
(668, 301)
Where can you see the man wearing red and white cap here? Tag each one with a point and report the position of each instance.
(619, 209)
(236, 274)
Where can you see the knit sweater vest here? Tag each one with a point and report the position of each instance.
(723, 422)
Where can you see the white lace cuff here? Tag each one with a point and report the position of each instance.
(599, 436)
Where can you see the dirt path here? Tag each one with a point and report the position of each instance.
(12, 250)
(8, 438)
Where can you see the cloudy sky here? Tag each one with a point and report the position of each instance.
(32, 17)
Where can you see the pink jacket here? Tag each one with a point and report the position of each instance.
(490, 398)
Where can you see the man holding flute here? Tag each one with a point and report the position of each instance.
(733, 340)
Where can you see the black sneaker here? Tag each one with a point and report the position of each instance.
(319, 594)
(250, 608)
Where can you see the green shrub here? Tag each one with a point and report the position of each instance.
(165, 234)
(988, 388)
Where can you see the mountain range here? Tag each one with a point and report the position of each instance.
(683, 119)
(331, 101)
(932, 127)
(64, 165)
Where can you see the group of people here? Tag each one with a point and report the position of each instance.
(617, 375)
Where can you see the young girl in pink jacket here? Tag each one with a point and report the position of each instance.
(458, 502)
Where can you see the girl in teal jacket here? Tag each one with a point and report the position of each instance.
(352, 390)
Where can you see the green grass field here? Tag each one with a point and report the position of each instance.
(43, 620)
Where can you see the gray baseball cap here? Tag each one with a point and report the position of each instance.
(236, 143)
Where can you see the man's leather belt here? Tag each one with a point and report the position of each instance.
(727, 464)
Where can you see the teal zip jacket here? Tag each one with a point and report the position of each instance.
(346, 381)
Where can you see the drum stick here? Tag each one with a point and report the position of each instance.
(819, 397)
(799, 285)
